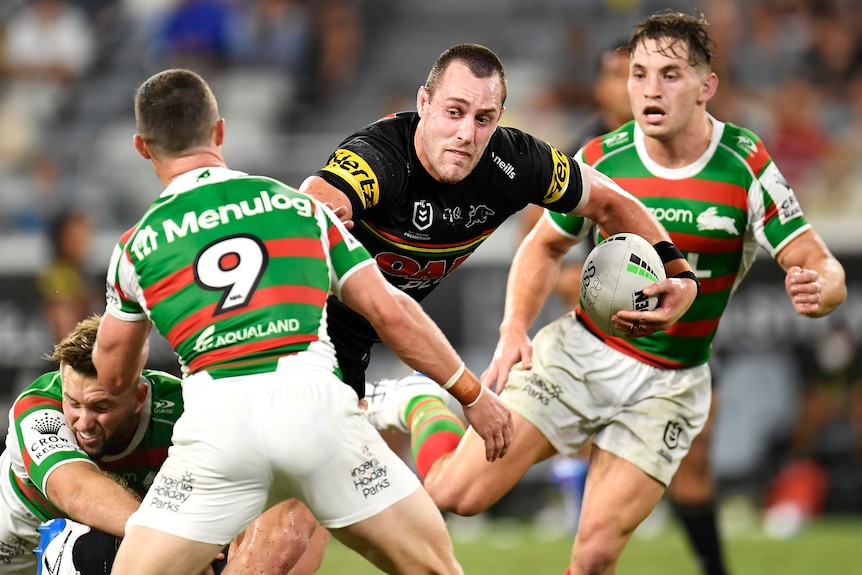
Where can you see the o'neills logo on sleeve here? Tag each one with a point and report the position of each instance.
(146, 240)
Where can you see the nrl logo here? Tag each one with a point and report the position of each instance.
(423, 215)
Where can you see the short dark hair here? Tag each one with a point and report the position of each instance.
(677, 27)
(481, 61)
(76, 349)
(175, 111)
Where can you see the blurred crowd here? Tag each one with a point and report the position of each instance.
(50, 50)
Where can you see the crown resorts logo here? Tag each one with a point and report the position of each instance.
(48, 424)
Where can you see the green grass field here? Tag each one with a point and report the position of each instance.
(827, 547)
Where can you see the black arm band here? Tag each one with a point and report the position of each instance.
(667, 251)
(689, 275)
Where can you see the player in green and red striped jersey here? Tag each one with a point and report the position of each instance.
(234, 271)
(64, 426)
(642, 401)
(64, 431)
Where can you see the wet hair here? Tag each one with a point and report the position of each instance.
(481, 61)
(76, 349)
(175, 112)
(691, 31)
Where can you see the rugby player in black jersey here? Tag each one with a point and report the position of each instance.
(424, 189)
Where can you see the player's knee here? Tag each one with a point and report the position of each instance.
(465, 502)
(597, 546)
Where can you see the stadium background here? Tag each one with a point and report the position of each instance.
(294, 76)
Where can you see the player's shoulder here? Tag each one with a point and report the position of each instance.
(167, 394)
(604, 144)
(47, 385)
(46, 392)
(397, 128)
(746, 145)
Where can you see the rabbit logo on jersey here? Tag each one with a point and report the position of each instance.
(208, 339)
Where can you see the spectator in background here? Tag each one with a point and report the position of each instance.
(193, 34)
(272, 33)
(339, 44)
(67, 293)
(48, 44)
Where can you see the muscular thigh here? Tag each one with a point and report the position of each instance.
(579, 387)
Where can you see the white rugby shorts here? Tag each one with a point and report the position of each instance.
(19, 533)
(246, 443)
(580, 387)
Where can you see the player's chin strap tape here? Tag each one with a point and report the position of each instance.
(669, 252)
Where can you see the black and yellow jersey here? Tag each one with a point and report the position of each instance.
(418, 229)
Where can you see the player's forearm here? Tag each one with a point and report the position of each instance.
(531, 280)
(91, 497)
(615, 211)
(117, 352)
(418, 341)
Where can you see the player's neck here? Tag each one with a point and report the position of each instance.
(170, 168)
(684, 148)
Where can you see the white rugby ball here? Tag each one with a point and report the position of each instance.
(614, 275)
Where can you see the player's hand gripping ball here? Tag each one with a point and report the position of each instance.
(614, 275)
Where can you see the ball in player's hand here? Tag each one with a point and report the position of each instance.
(614, 275)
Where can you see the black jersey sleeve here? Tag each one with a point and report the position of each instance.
(371, 167)
(554, 179)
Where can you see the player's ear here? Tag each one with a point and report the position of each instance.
(219, 132)
(141, 146)
(708, 87)
(423, 98)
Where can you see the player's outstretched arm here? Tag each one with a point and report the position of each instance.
(416, 339)
(324, 192)
(815, 280)
(91, 497)
(531, 280)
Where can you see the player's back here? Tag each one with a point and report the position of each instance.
(233, 269)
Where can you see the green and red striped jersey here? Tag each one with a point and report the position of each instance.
(718, 210)
(40, 441)
(234, 271)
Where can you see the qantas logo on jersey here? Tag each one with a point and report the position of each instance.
(209, 340)
(507, 168)
(146, 240)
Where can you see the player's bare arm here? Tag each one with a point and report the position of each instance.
(117, 351)
(815, 279)
(531, 280)
(322, 191)
(89, 496)
(416, 339)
